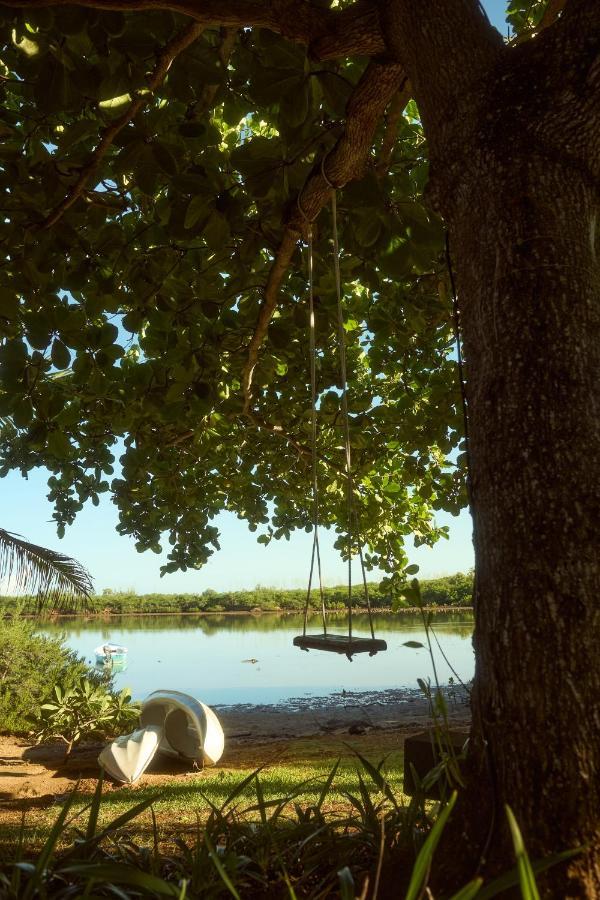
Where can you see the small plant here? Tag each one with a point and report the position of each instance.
(85, 710)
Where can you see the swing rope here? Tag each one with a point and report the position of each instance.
(316, 550)
(351, 514)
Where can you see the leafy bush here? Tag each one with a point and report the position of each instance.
(85, 710)
(30, 665)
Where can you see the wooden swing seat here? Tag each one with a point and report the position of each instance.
(339, 643)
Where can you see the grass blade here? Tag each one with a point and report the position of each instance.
(469, 891)
(422, 865)
(504, 882)
(95, 809)
(121, 820)
(123, 873)
(527, 883)
(220, 868)
(378, 779)
(347, 890)
(49, 846)
(327, 785)
(239, 788)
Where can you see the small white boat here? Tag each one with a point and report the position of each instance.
(110, 653)
(191, 729)
(171, 723)
(129, 756)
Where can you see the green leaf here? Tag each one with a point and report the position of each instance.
(116, 103)
(165, 158)
(527, 882)
(336, 91)
(504, 882)
(216, 232)
(469, 891)
(59, 445)
(220, 868)
(59, 354)
(123, 873)
(397, 263)
(347, 886)
(198, 208)
(366, 227)
(422, 866)
(9, 304)
(22, 413)
(416, 645)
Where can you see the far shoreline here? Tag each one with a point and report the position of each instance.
(109, 614)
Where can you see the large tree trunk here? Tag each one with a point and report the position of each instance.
(514, 145)
(530, 304)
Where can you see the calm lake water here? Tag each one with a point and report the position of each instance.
(204, 656)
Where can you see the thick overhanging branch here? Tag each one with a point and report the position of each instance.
(108, 135)
(329, 33)
(346, 162)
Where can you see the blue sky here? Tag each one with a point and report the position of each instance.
(242, 563)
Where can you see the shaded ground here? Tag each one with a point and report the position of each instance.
(295, 742)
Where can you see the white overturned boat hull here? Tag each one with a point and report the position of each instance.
(190, 728)
(129, 755)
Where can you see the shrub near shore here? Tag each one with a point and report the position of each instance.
(452, 590)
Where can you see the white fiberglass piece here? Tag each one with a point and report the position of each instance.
(129, 755)
(190, 728)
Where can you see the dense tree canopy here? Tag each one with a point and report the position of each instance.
(150, 175)
(157, 176)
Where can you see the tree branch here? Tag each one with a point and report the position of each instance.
(392, 123)
(163, 63)
(329, 33)
(346, 162)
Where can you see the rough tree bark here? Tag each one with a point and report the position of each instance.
(514, 138)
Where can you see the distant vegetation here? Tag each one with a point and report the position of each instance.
(453, 590)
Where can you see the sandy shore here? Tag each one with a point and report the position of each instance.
(373, 722)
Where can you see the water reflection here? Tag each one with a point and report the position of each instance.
(206, 655)
(216, 623)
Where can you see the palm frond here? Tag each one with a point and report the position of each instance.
(51, 577)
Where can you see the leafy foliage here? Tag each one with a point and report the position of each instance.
(84, 710)
(124, 324)
(30, 664)
(451, 590)
(50, 576)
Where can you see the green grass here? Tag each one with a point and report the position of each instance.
(180, 801)
(278, 780)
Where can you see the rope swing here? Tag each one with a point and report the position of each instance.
(333, 643)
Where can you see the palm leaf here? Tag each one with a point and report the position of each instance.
(51, 577)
